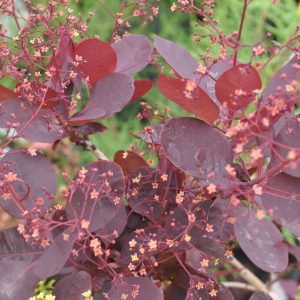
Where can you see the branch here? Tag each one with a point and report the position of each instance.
(88, 145)
(251, 278)
(239, 285)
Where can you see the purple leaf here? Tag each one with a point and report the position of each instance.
(133, 53)
(109, 96)
(14, 246)
(71, 287)
(17, 280)
(177, 58)
(224, 293)
(43, 127)
(196, 148)
(36, 179)
(105, 178)
(153, 136)
(144, 287)
(260, 296)
(288, 73)
(281, 195)
(55, 256)
(261, 241)
(115, 225)
(288, 136)
(218, 216)
(206, 245)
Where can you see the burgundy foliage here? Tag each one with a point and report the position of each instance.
(165, 219)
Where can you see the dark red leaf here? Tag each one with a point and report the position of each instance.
(281, 195)
(141, 87)
(107, 179)
(261, 241)
(71, 287)
(36, 178)
(109, 96)
(235, 87)
(129, 161)
(224, 293)
(6, 93)
(62, 60)
(215, 70)
(98, 59)
(177, 58)
(134, 53)
(200, 103)
(196, 148)
(146, 289)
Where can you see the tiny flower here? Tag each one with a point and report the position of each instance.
(187, 238)
(32, 151)
(213, 293)
(134, 257)
(209, 228)
(199, 285)
(84, 224)
(132, 243)
(152, 244)
(260, 214)
(94, 194)
(11, 177)
(212, 188)
(204, 262)
(125, 154)
(164, 177)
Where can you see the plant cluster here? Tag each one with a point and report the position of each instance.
(161, 227)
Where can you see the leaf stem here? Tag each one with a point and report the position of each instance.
(240, 32)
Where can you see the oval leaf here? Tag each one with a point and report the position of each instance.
(196, 148)
(141, 87)
(235, 87)
(198, 102)
(281, 195)
(36, 178)
(94, 198)
(261, 241)
(134, 53)
(95, 58)
(6, 93)
(177, 58)
(288, 137)
(288, 73)
(144, 287)
(34, 126)
(129, 161)
(260, 296)
(109, 96)
(71, 287)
